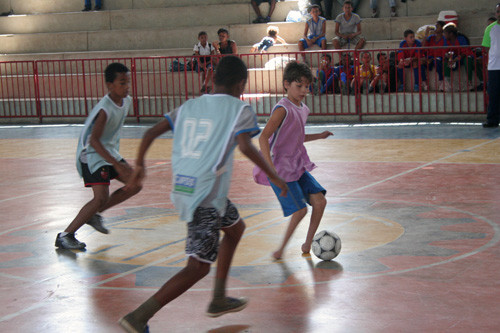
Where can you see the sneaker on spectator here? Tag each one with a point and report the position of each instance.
(97, 8)
(447, 85)
(267, 19)
(259, 19)
(441, 86)
(69, 242)
(393, 12)
(86, 9)
(416, 87)
(401, 88)
(374, 13)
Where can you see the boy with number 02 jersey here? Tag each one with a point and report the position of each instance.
(206, 131)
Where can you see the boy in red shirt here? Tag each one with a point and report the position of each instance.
(411, 58)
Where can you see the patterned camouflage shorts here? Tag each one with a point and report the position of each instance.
(203, 232)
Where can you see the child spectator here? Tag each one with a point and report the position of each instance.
(205, 64)
(324, 72)
(98, 159)
(314, 32)
(411, 58)
(386, 70)
(268, 41)
(260, 18)
(348, 29)
(201, 171)
(343, 74)
(282, 145)
(374, 5)
(457, 56)
(225, 45)
(435, 56)
(366, 74)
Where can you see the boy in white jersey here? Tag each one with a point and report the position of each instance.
(206, 131)
(98, 159)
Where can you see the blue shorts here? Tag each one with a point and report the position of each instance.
(298, 193)
(318, 41)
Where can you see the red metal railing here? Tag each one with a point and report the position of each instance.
(70, 88)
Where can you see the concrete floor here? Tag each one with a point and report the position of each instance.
(416, 207)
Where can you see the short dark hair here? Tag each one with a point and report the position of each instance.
(221, 30)
(408, 32)
(441, 23)
(328, 56)
(202, 33)
(231, 70)
(492, 19)
(347, 2)
(379, 55)
(313, 6)
(111, 71)
(295, 71)
(451, 29)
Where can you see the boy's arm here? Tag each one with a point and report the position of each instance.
(337, 30)
(306, 30)
(323, 30)
(249, 150)
(272, 126)
(95, 142)
(317, 136)
(148, 138)
(358, 31)
(281, 40)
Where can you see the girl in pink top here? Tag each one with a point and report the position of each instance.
(282, 145)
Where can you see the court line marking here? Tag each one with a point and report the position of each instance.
(415, 169)
(23, 196)
(23, 311)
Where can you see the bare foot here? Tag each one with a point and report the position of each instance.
(306, 248)
(277, 254)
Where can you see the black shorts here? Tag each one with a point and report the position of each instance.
(202, 241)
(102, 176)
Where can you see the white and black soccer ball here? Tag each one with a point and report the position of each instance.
(326, 245)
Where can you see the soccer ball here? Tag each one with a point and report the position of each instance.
(326, 245)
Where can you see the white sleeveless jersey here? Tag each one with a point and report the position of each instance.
(205, 131)
(110, 137)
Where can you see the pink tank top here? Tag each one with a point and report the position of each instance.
(288, 152)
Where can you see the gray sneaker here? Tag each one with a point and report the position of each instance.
(69, 242)
(96, 222)
(229, 304)
(130, 326)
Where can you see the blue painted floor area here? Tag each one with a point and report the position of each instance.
(341, 131)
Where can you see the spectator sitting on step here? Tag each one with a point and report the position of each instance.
(348, 29)
(374, 6)
(327, 13)
(314, 32)
(386, 69)
(343, 74)
(435, 56)
(225, 45)
(324, 73)
(268, 41)
(88, 5)
(205, 64)
(260, 18)
(366, 75)
(411, 58)
(456, 57)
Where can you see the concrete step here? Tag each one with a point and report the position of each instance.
(410, 8)
(243, 34)
(136, 19)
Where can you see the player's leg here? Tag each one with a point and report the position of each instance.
(121, 194)
(318, 203)
(66, 239)
(292, 225)
(221, 304)
(195, 270)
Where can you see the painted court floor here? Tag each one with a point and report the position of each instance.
(416, 207)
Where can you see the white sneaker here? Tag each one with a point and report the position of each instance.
(393, 14)
(424, 86)
(374, 14)
(441, 86)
